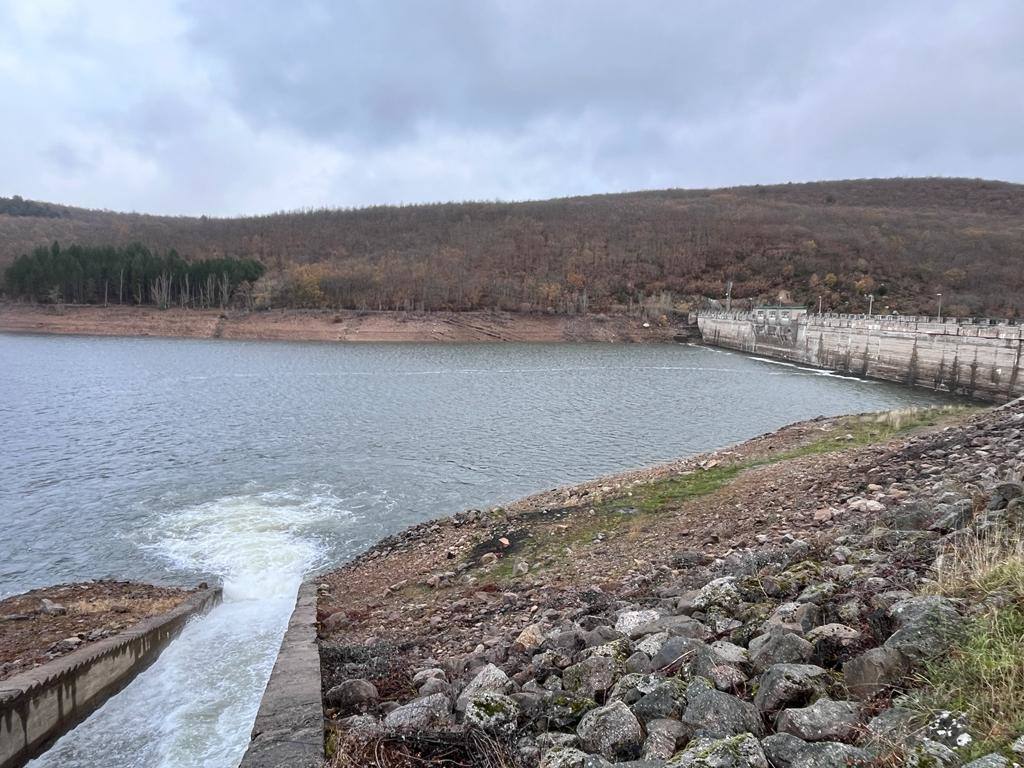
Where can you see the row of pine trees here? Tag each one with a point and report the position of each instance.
(129, 275)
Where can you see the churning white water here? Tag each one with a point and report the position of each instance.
(195, 706)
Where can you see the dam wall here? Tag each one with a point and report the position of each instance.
(39, 706)
(980, 358)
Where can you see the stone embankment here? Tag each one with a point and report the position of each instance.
(776, 604)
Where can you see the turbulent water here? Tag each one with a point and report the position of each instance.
(255, 464)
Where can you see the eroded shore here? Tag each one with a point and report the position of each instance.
(47, 623)
(781, 602)
(329, 325)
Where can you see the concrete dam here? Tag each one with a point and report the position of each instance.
(980, 358)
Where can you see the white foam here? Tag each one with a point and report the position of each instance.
(195, 706)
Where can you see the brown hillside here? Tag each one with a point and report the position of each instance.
(902, 239)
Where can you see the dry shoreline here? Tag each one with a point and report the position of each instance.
(329, 325)
(826, 528)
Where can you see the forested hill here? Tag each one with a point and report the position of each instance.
(903, 240)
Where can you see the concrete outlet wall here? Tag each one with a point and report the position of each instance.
(981, 359)
(38, 706)
(289, 727)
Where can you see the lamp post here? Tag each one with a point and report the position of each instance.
(819, 304)
(871, 301)
(940, 306)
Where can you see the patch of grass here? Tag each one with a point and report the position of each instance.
(983, 676)
(665, 494)
(858, 431)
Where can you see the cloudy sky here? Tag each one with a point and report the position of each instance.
(243, 106)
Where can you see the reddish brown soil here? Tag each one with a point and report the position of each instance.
(95, 610)
(324, 325)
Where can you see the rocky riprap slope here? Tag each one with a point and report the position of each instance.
(792, 652)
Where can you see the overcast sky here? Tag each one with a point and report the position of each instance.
(232, 107)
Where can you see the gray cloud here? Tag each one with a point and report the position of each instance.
(235, 106)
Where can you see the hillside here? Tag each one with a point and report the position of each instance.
(902, 239)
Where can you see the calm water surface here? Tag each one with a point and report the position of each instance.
(255, 463)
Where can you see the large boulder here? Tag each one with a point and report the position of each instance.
(667, 700)
(564, 709)
(352, 696)
(591, 676)
(432, 711)
(782, 749)
(490, 679)
(663, 738)
(789, 685)
(925, 626)
(876, 671)
(493, 712)
(779, 647)
(824, 720)
(611, 731)
(741, 751)
(714, 714)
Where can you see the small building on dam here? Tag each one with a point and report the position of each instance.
(978, 357)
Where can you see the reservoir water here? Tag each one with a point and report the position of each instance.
(254, 464)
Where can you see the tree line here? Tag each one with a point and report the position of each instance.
(130, 275)
(828, 243)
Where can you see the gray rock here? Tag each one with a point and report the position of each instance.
(434, 685)
(788, 685)
(817, 593)
(716, 715)
(639, 662)
(833, 644)
(674, 626)
(563, 757)
(663, 738)
(830, 754)
(674, 653)
(741, 751)
(794, 617)
(824, 720)
(926, 626)
(352, 696)
(952, 517)
(492, 712)
(432, 711)
(875, 671)
(51, 608)
(591, 676)
(991, 760)
(782, 749)
(667, 700)
(611, 731)
(893, 727)
(631, 620)
(490, 679)
(634, 686)
(550, 739)
(950, 729)
(721, 593)
(1003, 494)
(779, 647)
(564, 709)
(930, 754)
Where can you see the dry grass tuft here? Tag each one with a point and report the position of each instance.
(464, 748)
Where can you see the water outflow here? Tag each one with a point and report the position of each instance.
(195, 706)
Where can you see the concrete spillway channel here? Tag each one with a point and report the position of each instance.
(39, 706)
